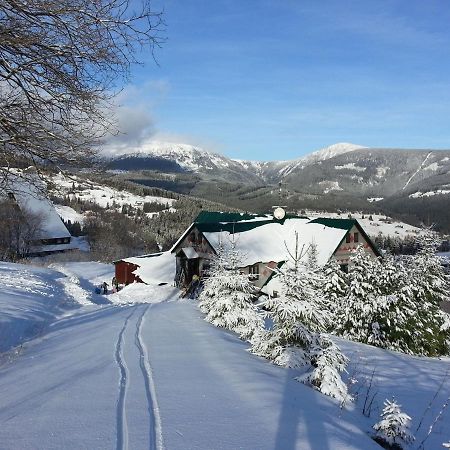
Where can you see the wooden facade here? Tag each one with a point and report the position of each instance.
(124, 272)
(193, 254)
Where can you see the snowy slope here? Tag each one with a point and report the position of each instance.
(375, 224)
(103, 196)
(158, 376)
(32, 298)
(320, 155)
(149, 372)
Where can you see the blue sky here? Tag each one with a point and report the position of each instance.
(275, 79)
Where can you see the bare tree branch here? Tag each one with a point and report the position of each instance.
(61, 63)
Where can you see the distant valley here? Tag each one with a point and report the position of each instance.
(411, 184)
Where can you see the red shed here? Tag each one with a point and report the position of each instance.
(124, 268)
(124, 272)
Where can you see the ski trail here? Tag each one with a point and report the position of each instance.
(417, 171)
(155, 433)
(122, 429)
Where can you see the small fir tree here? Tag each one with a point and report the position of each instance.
(334, 290)
(227, 296)
(356, 316)
(298, 319)
(393, 428)
(328, 362)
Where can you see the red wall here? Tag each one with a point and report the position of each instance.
(124, 273)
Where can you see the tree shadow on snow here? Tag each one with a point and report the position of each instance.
(298, 421)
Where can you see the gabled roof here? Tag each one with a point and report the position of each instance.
(154, 268)
(29, 194)
(347, 224)
(263, 238)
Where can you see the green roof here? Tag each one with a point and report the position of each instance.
(217, 216)
(232, 227)
(347, 224)
(215, 222)
(343, 224)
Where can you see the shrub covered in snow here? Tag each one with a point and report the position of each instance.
(227, 296)
(393, 428)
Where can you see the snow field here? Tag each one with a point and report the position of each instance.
(379, 223)
(145, 371)
(412, 380)
(101, 195)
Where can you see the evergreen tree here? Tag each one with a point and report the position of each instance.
(394, 303)
(334, 289)
(227, 296)
(298, 318)
(393, 428)
(356, 318)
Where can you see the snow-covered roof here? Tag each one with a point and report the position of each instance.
(274, 240)
(31, 198)
(156, 268)
(190, 252)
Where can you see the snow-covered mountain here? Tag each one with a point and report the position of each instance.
(344, 175)
(343, 166)
(320, 155)
(178, 157)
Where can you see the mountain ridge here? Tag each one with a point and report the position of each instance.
(339, 176)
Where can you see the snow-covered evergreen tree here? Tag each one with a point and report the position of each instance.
(394, 303)
(298, 319)
(393, 427)
(227, 296)
(328, 362)
(334, 290)
(356, 318)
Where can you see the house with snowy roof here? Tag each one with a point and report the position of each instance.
(28, 193)
(263, 240)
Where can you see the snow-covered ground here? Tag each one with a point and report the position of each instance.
(141, 369)
(104, 196)
(374, 224)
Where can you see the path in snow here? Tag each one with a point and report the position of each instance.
(86, 384)
(125, 377)
(155, 430)
(122, 428)
(417, 171)
(78, 287)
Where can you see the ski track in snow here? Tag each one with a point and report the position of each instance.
(155, 430)
(122, 428)
(417, 171)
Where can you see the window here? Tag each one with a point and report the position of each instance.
(356, 237)
(348, 238)
(253, 272)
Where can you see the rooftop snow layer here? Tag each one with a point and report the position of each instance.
(273, 241)
(156, 268)
(32, 199)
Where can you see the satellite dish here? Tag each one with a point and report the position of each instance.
(279, 213)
